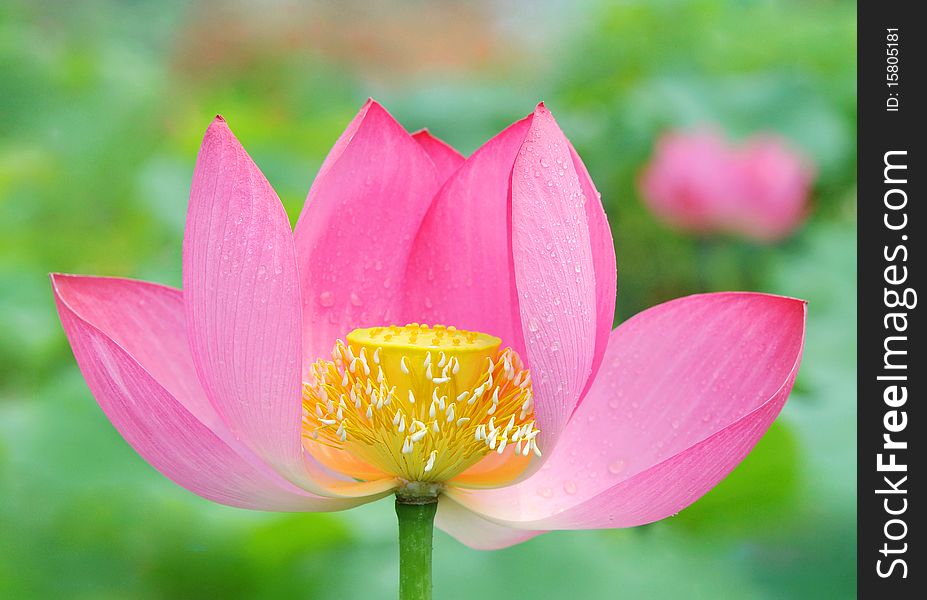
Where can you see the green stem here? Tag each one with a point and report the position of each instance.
(416, 531)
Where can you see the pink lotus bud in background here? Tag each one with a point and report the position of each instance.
(699, 182)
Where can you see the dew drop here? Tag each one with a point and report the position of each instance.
(569, 487)
(545, 163)
(355, 300)
(545, 492)
(533, 325)
(616, 467)
(326, 299)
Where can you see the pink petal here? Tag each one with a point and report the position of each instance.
(242, 299)
(459, 271)
(475, 531)
(603, 260)
(127, 336)
(554, 273)
(443, 155)
(147, 321)
(686, 390)
(354, 234)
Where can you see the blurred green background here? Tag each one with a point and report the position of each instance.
(102, 107)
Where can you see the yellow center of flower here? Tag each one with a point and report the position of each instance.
(420, 403)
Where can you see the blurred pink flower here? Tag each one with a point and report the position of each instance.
(238, 389)
(698, 182)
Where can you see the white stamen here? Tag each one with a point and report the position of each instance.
(431, 461)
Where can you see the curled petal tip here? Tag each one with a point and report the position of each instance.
(372, 103)
(218, 127)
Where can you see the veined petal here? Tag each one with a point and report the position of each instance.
(147, 321)
(242, 300)
(603, 261)
(459, 271)
(686, 390)
(127, 337)
(443, 155)
(475, 531)
(354, 234)
(555, 274)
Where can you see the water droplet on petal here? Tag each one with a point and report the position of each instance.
(616, 467)
(326, 299)
(355, 300)
(545, 492)
(533, 325)
(569, 487)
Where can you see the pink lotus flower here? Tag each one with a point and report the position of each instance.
(238, 389)
(698, 182)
